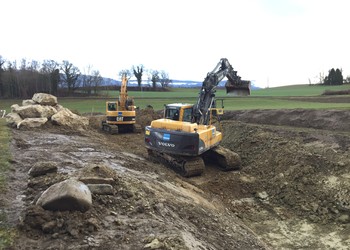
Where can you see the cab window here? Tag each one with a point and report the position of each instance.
(187, 115)
(112, 106)
(172, 113)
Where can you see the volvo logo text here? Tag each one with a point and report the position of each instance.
(166, 144)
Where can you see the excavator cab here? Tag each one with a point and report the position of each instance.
(111, 106)
(178, 112)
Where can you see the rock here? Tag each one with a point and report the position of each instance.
(65, 117)
(314, 206)
(14, 107)
(59, 107)
(48, 111)
(262, 195)
(13, 119)
(155, 244)
(29, 111)
(66, 195)
(97, 180)
(344, 218)
(35, 111)
(104, 189)
(28, 102)
(48, 227)
(32, 122)
(93, 224)
(42, 168)
(45, 99)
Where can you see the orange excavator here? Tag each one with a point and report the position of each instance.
(121, 114)
(186, 138)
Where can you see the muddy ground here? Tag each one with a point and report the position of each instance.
(293, 191)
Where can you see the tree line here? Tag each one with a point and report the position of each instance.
(28, 77)
(22, 80)
(156, 77)
(334, 77)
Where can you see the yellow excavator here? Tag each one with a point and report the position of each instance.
(121, 114)
(186, 137)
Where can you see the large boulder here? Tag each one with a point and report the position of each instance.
(28, 102)
(32, 122)
(65, 117)
(13, 119)
(42, 168)
(35, 111)
(68, 195)
(14, 107)
(45, 99)
(48, 111)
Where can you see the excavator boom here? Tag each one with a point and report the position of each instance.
(206, 99)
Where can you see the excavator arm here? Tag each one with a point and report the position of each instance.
(206, 98)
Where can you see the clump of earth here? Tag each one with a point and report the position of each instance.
(292, 191)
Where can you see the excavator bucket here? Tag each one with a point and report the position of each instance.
(239, 88)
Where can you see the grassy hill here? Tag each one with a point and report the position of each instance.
(298, 90)
(287, 97)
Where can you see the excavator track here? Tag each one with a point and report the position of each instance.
(136, 128)
(224, 158)
(184, 165)
(111, 129)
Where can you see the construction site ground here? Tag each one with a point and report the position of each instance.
(293, 191)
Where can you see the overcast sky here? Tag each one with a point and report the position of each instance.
(273, 42)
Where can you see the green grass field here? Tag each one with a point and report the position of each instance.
(271, 98)
(6, 234)
(292, 90)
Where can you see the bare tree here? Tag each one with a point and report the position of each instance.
(126, 72)
(86, 79)
(138, 71)
(50, 70)
(2, 63)
(97, 80)
(164, 79)
(70, 76)
(154, 78)
(10, 78)
(91, 80)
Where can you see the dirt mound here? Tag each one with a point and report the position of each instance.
(144, 117)
(95, 121)
(319, 119)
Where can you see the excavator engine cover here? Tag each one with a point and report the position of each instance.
(173, 142)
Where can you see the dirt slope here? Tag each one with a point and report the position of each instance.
(292, 192)
(151, 204)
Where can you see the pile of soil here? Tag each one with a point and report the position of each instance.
(292, 192)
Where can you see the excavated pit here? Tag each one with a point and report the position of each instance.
(292, 191)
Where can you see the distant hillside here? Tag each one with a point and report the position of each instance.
(174, 84)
